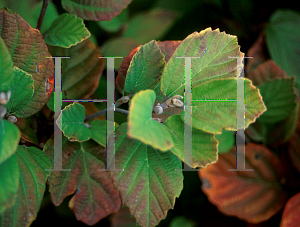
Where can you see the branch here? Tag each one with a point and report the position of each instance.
(42, 14)
(119, 102)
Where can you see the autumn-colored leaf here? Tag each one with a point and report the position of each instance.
(29, 51)
(94, 9)
(254, 196)
(290, 216)
(166, 47)
(95, 196)
(81, 72)
(123, 218)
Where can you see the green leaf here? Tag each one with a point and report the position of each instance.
(214, 49)
(32, 164)
(66, 31)
(21, 92)
(94, 9)
(282, 39)
(6, 68)
(82, 71)
(98, 129)
(213, 116)
(150, 25)
(27, 132)
(145, 69)
(70, 122)
(279, 97)
(226, 141)
(182, 221)
(116, 23)
(204, 145)
(95, 196)
(149, 183)
(9, 180)
(9, 139)
(141, 126)
(29, 52)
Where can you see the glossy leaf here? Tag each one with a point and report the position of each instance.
(282, 38)
(226, 141)
(9, 178)
(213, 116)
(166, 47)
(9, 139)
(95, 10)
(254, 196)
(145, 69)
(32, 164)
(204, 145)
(29, 52)
(95, 196)
(82, 71)
(141, 126)
(6, 68)
(27, 133)
(70, 122)
(66, 31)
(118, 47)
(22, 91)
(214, 49)
(150, 25)
(149, 183)
(290, 216)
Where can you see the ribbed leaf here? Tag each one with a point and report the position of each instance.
(214, 49)
(6, 68)
(32, 164)
(22, 91)
(66, 31)
(149, 183)
(29, 51)
(217, 107)
(141, 126)
(94, 9)
(145, 69)
(27, 132)
(95, 196)
(204, 144)
(70, 122)
(254, 196)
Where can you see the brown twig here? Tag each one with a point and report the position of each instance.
(42, 14)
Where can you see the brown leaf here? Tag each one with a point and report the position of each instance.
(254, 196)
(166, 47)
(29, 52)
(123, 218)
(95, 196)
(291, 212)
(81, 72)
(27, 133)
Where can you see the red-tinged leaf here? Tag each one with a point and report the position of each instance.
(294, 145)
(95, 196)
(166, 47)
(96, 10)
(32, 163)
(258, 51)
(123, 218)
(29, 51)
(266, 71)
(291, 212)
(27, 133)
(81, 72)
(254, 196)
